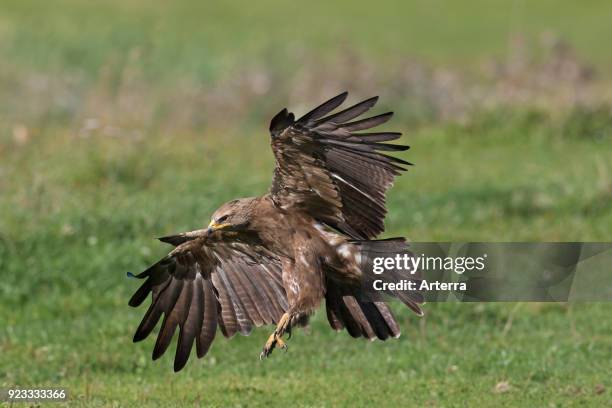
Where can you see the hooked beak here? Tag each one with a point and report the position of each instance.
(213, 226)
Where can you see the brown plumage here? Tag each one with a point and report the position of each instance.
(273, 259)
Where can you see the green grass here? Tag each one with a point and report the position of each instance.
(86, 211)
(78, 210)
(196, 38)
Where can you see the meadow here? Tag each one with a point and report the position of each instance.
(124, 121)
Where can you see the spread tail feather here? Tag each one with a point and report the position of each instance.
(361, 319)
(346, 308)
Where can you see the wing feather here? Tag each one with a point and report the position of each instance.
(191, 327)
(228, 321)
(352, 112)
(242, 297)
(337, 176)
(263, 303)
(174, 314)
(200, 286)
(324, 108)
(367, 123)
(224, 285)
(209, 321)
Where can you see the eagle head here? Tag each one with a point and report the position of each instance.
(232, 216)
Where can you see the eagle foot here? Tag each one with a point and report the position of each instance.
(275, 338)
(273, 341)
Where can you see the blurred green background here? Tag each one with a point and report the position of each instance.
(125, 120)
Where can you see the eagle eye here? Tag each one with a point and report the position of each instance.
(222, 218)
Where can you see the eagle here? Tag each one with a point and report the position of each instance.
(273, 259)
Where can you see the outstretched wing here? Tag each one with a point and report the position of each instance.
(327, 168)
(197, 287)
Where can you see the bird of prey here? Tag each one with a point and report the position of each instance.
(273, 259)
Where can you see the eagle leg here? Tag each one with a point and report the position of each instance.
(275, 339)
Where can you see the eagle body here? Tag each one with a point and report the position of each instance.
(303, 254)
(275, 258)
(308, 253)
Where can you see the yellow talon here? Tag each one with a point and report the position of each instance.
(275, 338)
(273, 341)
(281, 343)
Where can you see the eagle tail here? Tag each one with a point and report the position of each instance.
(350, 308)
(389, 248)
(360, 318)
